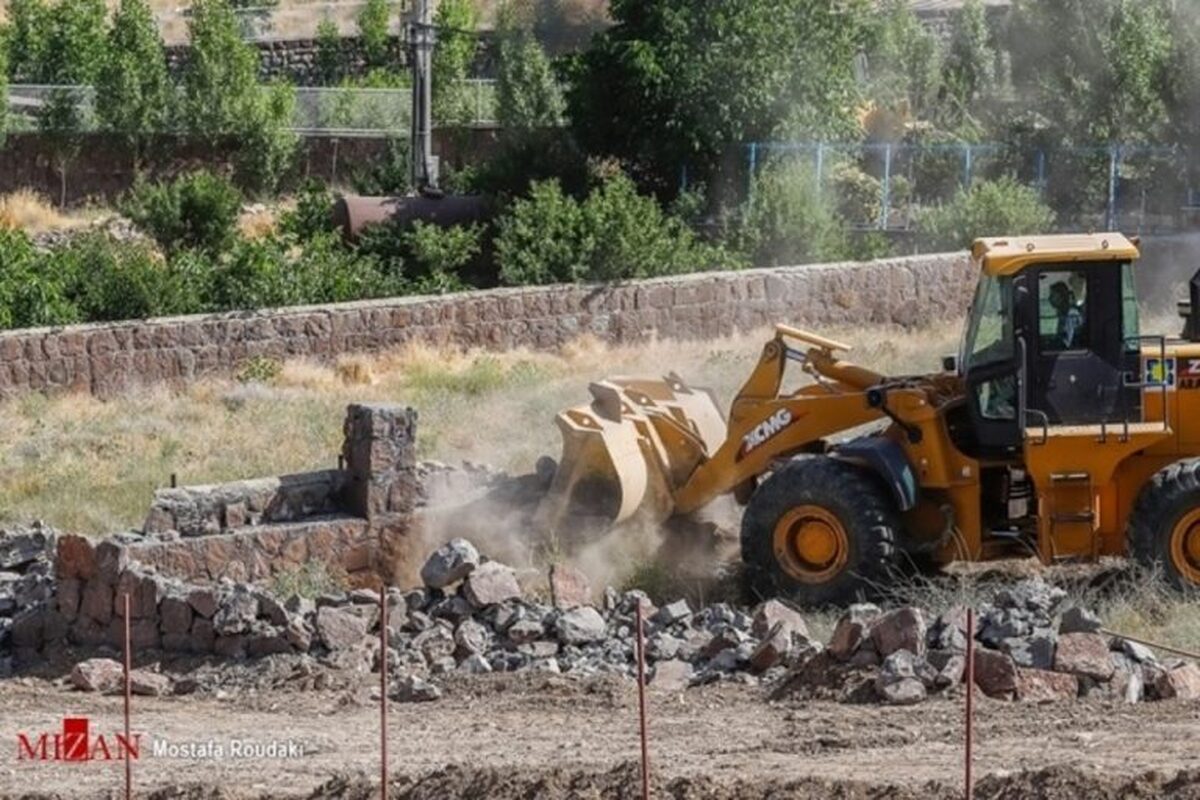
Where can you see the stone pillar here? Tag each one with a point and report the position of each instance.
(380, 460)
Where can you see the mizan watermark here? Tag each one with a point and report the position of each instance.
(77, 741)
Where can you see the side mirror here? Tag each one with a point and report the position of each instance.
(950, 364)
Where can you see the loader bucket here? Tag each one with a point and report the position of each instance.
(626, 453)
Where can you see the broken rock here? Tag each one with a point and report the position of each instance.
(339, 628)
(902, 629)
(1180, 683)
(995, 674)
(491, 583)
(852, 630)
(776, 612)
(1043, 686)
(449, 564)
(1084, 655)
(97, 675)
(672, 675)
(569, 588)
(580, 626)
(413, 689)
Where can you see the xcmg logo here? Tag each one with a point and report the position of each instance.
(77, 743)
(764, 430)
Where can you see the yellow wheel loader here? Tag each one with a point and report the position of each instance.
(1059, 429)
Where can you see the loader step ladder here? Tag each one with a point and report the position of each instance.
(1071, 514)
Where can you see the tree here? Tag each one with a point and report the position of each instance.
(329, 51)
(75, 45)
(72, 53)
(904, 60)
(266, 142)
(679, 82)
(134, 95)
(527, 94)
(374, 32)
(220, 80)
(3, 89)
(26, 32)
(970, 68)
(456, 21)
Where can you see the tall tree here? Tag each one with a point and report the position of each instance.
(904, 59)
(970, 68)
(26, 32)
(134, 95)
(678, 82)
(374, 33)
(456, 21)
(528, 96)
(220, 80)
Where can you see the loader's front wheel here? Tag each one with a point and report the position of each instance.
(819, 531)
(1164, 528)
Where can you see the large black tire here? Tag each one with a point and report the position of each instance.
(1166, 510)
(857, 499)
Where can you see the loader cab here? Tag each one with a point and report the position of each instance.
(1052, 338)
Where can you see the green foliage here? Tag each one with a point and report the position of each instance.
(438, 255)
(196, 211)
(134, 95)
(32, 291)
(787, 220)
(678, 82)
(329, 51)
(453, 102)
(220, 80)
(311, 580)
(971, 61)
(266, 143)
(111, 280)
(313, 213)
(991, 208)
(905, 59)
(528, 95)
(26, 34)
(538, 155)
(615, 234)
(75, 45)
(374, 33)
(61, 121)
(3, 88)
(264, 369)
(390, 175)
(859, 195)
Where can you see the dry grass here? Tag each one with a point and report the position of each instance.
(258, 222)
(91, 466)
(28, 211)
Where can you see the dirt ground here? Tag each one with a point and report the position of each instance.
(542, 736)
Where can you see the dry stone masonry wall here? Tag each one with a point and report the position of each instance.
(105, 359)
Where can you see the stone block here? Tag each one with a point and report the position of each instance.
(1039, 685)
(1084, 655)
(995, 674)
(380, 458)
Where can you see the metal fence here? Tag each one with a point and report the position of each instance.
(350, 112)
(887, 186)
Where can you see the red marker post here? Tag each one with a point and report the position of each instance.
(128, 695)
(641, 681)
(383, 688)
(969, 782)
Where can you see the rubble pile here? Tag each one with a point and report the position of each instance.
(1029, 648)
(26, 578)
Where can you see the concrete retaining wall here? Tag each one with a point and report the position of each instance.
(107, 358)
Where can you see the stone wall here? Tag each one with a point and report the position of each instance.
(108, 358)
(295, 60)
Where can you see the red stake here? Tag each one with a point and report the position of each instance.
(383, 687)
(641, 679)
(128, 694)
(970, 721)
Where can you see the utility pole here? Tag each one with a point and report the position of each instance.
(421, 41)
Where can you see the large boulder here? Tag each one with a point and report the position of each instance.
(340, 628)
(902, 629)
(490, 584)
(1181, 683)
(1041, 686)
(776, 612)
(449, 564)
(995, 674)
(852, 629)
(569, 588)
(580, 626)
(98, 675)
(1084, 655)
(236, 613)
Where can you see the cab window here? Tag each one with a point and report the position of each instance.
(1062, 310)
(990, 332)
(1130, 326)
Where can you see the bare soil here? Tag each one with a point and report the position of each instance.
(507, 737)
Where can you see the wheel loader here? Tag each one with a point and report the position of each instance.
(1060, 430)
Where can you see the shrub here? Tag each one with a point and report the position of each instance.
(249, 276)
(111, 280)
(859, 195)
(266, 142)
(390, 175)
(198, 210)
(329, 51)
(373, 31)
(438, 255)
(614, 234)
(991, 208)
(325, 272)
(313, 213)
(528, 95)
(32, 291)
(787, 221)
